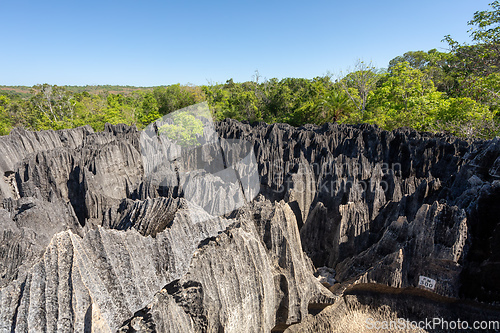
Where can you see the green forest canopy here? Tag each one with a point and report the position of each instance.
(457, 92)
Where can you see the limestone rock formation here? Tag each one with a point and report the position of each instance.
(348, 219)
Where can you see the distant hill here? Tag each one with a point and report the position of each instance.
(24, 91)
(21, 91)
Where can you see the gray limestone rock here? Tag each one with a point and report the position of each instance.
(349, 217)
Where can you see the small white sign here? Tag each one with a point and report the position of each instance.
(426, 282)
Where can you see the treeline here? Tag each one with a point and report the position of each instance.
(455, 92)
(54, 107)
(25, 91)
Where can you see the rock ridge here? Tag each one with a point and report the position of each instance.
(90, 243)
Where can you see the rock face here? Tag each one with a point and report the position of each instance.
(90, 243)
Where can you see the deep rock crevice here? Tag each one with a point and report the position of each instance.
(83, 229)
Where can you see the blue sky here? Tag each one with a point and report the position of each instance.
(148, 43)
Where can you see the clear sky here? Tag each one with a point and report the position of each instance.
(148, 43)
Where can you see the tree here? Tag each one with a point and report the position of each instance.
(184, 129)
(434, 64)
(416, 59)
(53, 106)
(359, 84)
(466, 118)
(89, 110)
(483, 89)
(487, 25)
(476, 67)
(483, 57)
(5, 122)
(333, 105)
(402, 85)
(175, 97)
(120, 109)
(406, 98)
(149, 111)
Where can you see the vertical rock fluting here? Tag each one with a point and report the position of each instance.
(91, 244)
(388, 207)
(27, 226)
(21, 143)
(120, 270)
(252, 277)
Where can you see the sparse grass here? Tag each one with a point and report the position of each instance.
(359, 320)
(339, 318)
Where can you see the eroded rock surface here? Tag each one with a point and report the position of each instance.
(90, 243)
